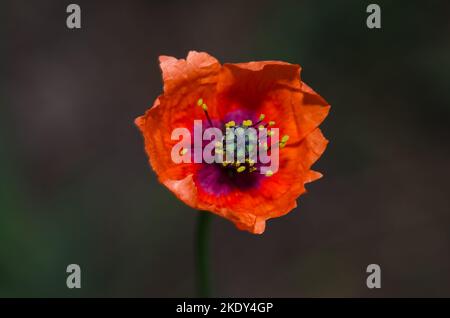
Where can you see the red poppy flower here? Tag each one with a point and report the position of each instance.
(255, 94)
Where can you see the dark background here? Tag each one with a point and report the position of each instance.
(75, 185)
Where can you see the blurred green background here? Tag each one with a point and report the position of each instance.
(75, 185)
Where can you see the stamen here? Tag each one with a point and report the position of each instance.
(284, 141)
(261, 118)
(269, 173)
(205, 109)
(230, 124)
(240, 169)
(270, 123)
(247, 123)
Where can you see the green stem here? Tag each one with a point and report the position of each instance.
(203, 275)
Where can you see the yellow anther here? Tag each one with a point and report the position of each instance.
(200, 102)
(271, 123)
(253, 169)
(261, 127)
(269, 173)
(225, 163)
(247, 123)
(237, 163)
(230, 124)
(205, 107)
(282, 144)
(183, 151)
(251, 162)
(285, 139)
(240, 169)
(262, 116)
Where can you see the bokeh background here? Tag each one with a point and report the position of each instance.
(75, 185)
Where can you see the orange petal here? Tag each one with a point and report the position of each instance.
(198, 68)
(246, 85)
(312, 110)
(185, 81)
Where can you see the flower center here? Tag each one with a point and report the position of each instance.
(242, 142)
